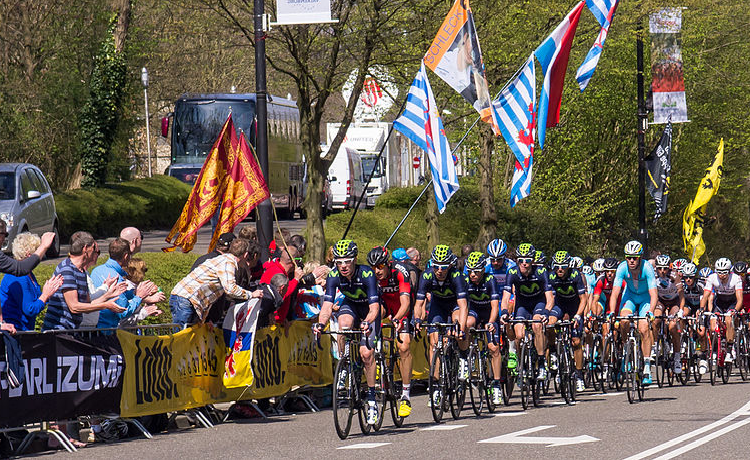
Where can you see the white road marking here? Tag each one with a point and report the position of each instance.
(744, 410)
(518, 437)
(443, 427)
(704, 440)
(365, 445)
(510, 414)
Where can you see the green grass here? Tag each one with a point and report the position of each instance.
(164, 269)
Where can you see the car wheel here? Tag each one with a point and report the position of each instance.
(54, 250)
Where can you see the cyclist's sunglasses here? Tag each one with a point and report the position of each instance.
(344, 261)
(477, 272)
(524, 260)
(722, 272)
(559, 267)
(379, 266)
(497, 259)
(632, 257)
(441, 266)
(662, 268)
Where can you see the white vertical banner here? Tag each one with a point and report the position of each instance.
(302, 12)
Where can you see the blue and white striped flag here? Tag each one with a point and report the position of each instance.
(604, 11)
(421, 123)
(515, 111)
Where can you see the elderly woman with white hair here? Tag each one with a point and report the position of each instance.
(21, 297)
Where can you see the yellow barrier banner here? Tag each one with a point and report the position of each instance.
(420, 360)
(172, 372)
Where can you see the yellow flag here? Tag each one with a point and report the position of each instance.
(695, 214)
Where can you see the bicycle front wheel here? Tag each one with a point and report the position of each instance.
(712, 358)
(477, 391)
(524, 371)
(630, 373)
(660, 365)
(398, 421)
(457, 389)
(742, 357)
(437, 386)
(343, 398)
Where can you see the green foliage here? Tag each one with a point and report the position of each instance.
(145, 203)
(99, 117)
(165, 270)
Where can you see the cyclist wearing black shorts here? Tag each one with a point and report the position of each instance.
(534, 300)
(724, 290)
(360, 308)
(570, 303)
(395, 296)
(447, 289)
(693, 287)
(484, 302)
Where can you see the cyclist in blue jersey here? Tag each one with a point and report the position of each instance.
(570, 303)
(360, 308)
(498, 265)
(534, 300)
(447, 289)
(484, 305)
(639, 299)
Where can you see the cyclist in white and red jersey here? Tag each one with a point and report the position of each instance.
(395, 299)
(724, 292)
(671, 302)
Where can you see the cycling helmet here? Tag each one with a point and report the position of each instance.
(662, 261)
(723, 265)
(442, 254)
(633, 248)
(400, 254)
(377, 256)
(476, 261)
(739, 267)
(497, 248)
(610, 263)
(705, 272)
(678, 263)
(689, 269)
(561, 259)
(345, 249)
(525, 250)
(587, 270)
(598, 265)
(539, 258)
(576, 262)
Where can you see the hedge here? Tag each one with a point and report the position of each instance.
(144, 203)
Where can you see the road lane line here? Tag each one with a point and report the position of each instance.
(364, 445)
(443, 427)
(510, 414)
(704, 440)
(675, 441)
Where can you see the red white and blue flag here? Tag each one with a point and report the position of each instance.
(514, 110)
(421, 123)
(553, 56)
(604, 11)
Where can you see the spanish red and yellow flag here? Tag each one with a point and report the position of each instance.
(230, 178)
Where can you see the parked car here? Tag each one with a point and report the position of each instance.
(27, 204)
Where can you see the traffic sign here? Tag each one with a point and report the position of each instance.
(415, 162)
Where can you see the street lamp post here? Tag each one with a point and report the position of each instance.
(144, 80)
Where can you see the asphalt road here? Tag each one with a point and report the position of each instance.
(697, 421)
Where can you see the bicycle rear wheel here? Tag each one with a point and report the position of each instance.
(638, 361)
(659, 366)
(437, 385)
(742, 355)
(564, 373)
(712, 358)
(343, 399)
(457, 389)
(537, 386)
(489, 381)
(392, 394)
(686, 358)
(477, 391)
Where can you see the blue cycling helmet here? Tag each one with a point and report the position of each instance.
(497, 248)
(400, 255)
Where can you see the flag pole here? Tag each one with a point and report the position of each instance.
(642, 125)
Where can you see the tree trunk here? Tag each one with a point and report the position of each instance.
(123, 8)
(488, 219)
(317, 170)
(431, 215)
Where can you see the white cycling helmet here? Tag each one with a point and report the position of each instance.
(576, 262)
(634, 248)
(689, 269)
(598, 265)
(723, 265)
(662, 261)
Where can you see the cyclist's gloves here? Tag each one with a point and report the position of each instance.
(318, 328)
(365, 326)
(650, 316)
(504, 316)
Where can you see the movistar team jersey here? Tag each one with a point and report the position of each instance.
(361, 289)
(528, 288)
(443, 292)
(693, 294)
(480, 295)
(501, 274)
(667, 289)
(638, 282)
(568, 289)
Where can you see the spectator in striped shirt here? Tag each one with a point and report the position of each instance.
(192, 297)
(66, 306)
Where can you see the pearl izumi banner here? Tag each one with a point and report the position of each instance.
(668, 83)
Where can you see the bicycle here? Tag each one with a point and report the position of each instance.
(451, 393)
(480, 372)
(530, 385)
(689, 352)
(348, 394)
(718, 366)
(613, 352)
(664, 364)
(507, 375)
(566, 364)
(633, 360)
(388, 360)
(742, 344)
(593, 357)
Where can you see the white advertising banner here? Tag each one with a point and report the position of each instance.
(302, 11)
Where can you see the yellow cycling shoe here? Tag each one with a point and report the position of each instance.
(404, 407)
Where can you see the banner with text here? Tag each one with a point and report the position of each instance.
(66, 376)
(668, 83)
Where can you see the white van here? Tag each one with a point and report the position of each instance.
(345, 176)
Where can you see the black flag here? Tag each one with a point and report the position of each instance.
(659, 169)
